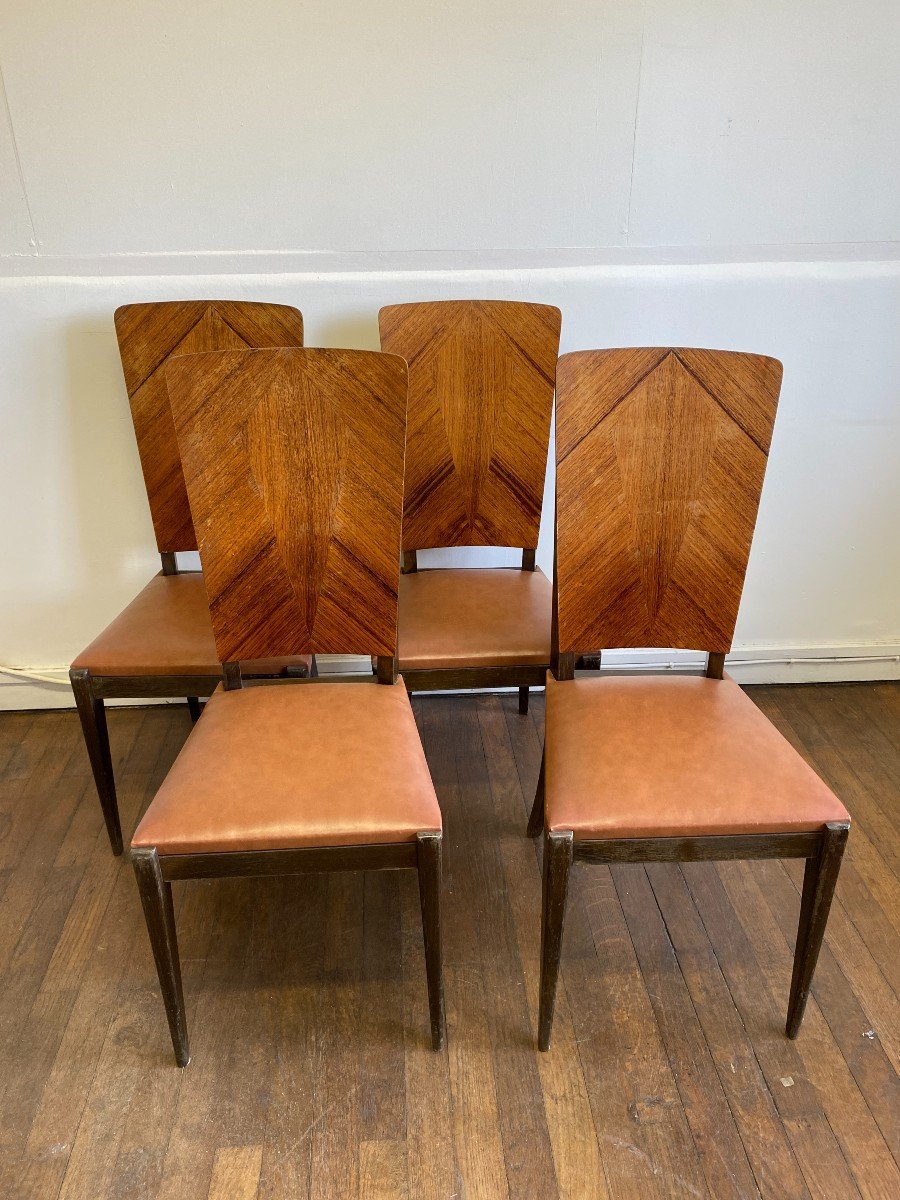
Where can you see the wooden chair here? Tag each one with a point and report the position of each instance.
(481, 378)
(293, 462)
(162, 644)
(660, 460)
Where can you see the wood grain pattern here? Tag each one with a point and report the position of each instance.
(149, 335)
(481, 375)
(668, 1076)
(660, 457)
(293, 462)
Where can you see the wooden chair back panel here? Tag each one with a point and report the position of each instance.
(293, 461)
(481, 375)
(660, 461)
(150, 334)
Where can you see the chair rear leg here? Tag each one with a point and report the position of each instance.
(156, 897)
(536, 819)
(523, 701)
(193, 703)
(819, 881)
(92, 712)
(429, 863)
(557, 862)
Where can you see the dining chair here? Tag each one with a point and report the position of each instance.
(660, 457)
(481, 379)
(293, 462)
(161, 644)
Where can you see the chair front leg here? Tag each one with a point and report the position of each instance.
(819, 880)
(557, 862)
(523, 701)
(536, 819)
(429, 863)
(156, 897)
(193, 703)
(92, 712)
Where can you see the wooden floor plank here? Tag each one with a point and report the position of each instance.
(312, 1072)
(799, 1106)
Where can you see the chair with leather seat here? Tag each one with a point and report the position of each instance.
(293, 463)
(481, 393)
(162, 643)
(660, 457)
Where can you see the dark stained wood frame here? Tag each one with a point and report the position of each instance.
(823, 850)
(154, 873)
(92, 690)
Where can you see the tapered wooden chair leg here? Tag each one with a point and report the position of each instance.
(156, 897)
(429, 862)
(536, 819)
(523, 701)
(557, 862)
(92, 712)
(194, 708)
(819, 881)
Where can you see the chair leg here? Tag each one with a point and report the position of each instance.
(429, 863)
(92, 712)
(819, 881)
(523, 701)
(194, 708)
(536, 819)
(156, 897)
(557, 861)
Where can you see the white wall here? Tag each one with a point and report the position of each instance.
(701, 173)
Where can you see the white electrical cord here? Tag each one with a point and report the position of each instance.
(38, 674)
(43, 674)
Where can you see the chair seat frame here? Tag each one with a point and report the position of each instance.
(822, 849)
(523, 676)
(155, 873)
(91, 690)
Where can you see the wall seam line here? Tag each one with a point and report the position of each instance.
(18, 158)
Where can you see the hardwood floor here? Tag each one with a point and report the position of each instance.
(312, 1075)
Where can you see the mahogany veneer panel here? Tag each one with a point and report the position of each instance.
(150, 334)
(293, 461)
(481, 376)
(661, 455)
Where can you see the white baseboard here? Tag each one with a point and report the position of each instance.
(20, 690)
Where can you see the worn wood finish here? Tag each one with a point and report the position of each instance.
(293, 462)
(256, 863)
(699, 849)
(92, 712)
(156, 898)
(312, 1074)
(428, 860)
(660, 457)
(481, 379)
(451, 678)
(557, 863)
(149, 335)
(819, 881)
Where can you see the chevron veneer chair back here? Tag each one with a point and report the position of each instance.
(149, 335)
(660, 459)
(293, 461)
(481, 379)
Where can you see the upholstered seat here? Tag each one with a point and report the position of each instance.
(285, 766)
(165, 630)
(474, 617)
(637, 757)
